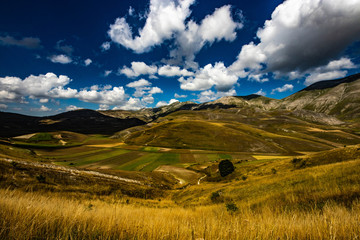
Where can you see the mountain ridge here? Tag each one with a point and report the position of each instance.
(326, 102)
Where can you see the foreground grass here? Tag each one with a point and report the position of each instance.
(35, 216)
(277, 200)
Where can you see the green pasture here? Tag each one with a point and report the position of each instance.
(151, 161)
(94, 157)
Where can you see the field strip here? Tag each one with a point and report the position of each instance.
(73, 171)
(269, 157)
(108, 145)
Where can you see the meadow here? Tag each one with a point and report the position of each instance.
(270, 197)
(263, 211)
(64, 185)
(35, 216)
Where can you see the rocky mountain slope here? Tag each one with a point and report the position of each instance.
(339, 98)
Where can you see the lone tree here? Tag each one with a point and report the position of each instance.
(226, 167)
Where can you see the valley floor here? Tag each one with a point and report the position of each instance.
(314, 196)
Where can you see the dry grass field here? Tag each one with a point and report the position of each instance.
(35, 216)
(266, 198)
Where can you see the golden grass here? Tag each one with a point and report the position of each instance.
(270, 157)
(109, 145)
(35, 216)
(315, 202)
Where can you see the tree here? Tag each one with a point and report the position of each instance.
(226, 167)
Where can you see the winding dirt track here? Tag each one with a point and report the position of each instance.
(72, 171)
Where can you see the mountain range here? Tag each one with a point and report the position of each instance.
(326, 103)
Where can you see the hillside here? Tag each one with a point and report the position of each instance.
(266, 198)
(81, 121)
(340, 98)
(245, 130)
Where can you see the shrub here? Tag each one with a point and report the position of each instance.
(14, 164)
(226, 167)
(231, 207)
(41, 178)
(216, 197)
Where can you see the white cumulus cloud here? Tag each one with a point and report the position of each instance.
(301, 35)
(215, 27)
(131, 104)
(179, 96)
(209, 76)
(105, 46)
(286, 87)
(144, 91)
(63, 59)
(114, 96)
(71, 108)
(44, 109)
(168, 20)
(209, 95)
(51, 86)
(87, 62)
(14, 89)
(3, 106)
(163, 103)
(334, 69)
(137, 69)
(107, 73)
(139, 83)
(165, 17)
(171, 71)
(261, 92)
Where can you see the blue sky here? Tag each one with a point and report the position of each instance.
(57, 56)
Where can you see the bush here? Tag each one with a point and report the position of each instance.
(41, 178)
(216, 197)
(231, 207)
(14, 164)
(226, 167)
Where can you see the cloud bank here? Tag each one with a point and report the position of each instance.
(300, 36)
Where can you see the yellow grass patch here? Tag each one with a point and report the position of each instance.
(270, 157)
(182, 174)
(49, 121)
(313, 129)
(27, 136)
(33, 216)
(108, 145)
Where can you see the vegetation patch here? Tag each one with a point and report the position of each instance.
(96, 157)
(328, 157)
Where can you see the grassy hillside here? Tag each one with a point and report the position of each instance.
(337, 97)
(267, 198)
(242, 130)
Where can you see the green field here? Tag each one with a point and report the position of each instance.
(95, 157)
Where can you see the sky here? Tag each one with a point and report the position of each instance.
(58, 56)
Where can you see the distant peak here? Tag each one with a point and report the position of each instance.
(249, 97)
(332, 83)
